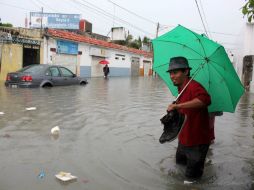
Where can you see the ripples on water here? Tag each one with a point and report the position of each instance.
(109, 134)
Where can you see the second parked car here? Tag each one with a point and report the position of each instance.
(43, 75)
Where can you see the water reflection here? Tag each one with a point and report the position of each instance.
(108, 137)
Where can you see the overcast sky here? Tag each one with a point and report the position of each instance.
(223, 18)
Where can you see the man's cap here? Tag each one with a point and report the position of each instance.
(176, 63)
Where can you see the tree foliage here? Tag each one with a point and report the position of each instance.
(248, 10)
(6, 24)
(134, 43)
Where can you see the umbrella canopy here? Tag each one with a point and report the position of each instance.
(209, 62)
(104, 62)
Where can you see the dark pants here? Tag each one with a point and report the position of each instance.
(194, 159)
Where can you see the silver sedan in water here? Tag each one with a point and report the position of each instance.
(43, 75)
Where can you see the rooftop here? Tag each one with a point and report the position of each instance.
(79, 38)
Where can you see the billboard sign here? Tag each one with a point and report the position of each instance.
(67, 47)
(54, 20)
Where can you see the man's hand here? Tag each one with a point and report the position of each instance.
(195, 103)
(172, 107)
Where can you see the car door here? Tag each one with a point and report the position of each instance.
(68, 76)
(55, 76)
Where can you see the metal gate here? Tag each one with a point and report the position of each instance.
(134, 66)
(147, 68)
(68, 61)
(96, 68)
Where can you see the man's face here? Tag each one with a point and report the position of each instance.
(178, 77)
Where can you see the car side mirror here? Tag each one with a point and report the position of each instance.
(74, 75)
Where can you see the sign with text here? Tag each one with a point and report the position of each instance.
(54, 20)
(67, 47)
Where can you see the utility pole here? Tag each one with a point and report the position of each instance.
(157, 33)
(157, 29)
(41, 18)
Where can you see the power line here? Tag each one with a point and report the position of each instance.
(35, 4)
(113, 16)
(45, 5)
(131, 12)
(77, 6)
(205, 18)
(102, 11)
(94, 9)
(220, 33)
(14, 6)
(201, 18)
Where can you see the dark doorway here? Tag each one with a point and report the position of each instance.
(31, 54)
(247, 71)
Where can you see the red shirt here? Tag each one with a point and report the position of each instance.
(196, 129)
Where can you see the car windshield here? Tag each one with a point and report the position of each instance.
(32, 69)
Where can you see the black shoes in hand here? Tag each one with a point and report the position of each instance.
(173, 122)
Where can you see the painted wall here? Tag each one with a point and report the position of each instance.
(52, 57)
(119, 61)
(85, 60)
(245, 47)
(12, 54)
(11, 59)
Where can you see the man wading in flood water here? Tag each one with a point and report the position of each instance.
(194, 138)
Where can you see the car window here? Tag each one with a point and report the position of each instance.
(66, 72)
(54, 71)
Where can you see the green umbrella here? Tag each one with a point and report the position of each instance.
(209, 62)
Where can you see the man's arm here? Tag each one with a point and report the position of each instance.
(195, 103)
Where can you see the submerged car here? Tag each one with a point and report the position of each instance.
(43, 75)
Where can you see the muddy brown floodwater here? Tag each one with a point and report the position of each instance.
(108, 138)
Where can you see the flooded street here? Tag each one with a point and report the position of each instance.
(109, 133)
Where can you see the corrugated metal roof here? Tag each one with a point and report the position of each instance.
(79, 38)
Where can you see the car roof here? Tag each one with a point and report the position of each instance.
(46, 65)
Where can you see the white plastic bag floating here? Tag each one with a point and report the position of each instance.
(55, 130)
(1, 113)
(188, 182)
(64, 176)
(31, 108)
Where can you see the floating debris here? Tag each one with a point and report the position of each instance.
(188, 182)
(1, 113)
(41, 174)
(64, 176)
(55, 130)
(31, 108)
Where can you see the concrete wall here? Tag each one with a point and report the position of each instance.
(245, 47)
(11, 59)
(12, 53)
(119, 61)
(85, 60)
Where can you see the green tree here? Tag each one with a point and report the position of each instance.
(136, 43)
(146, 40)
(248, 10)
(129, 38)
(6, 24)
(130, 41)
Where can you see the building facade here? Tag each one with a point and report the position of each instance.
(82, 55)
(19, 47)
(244, 56)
